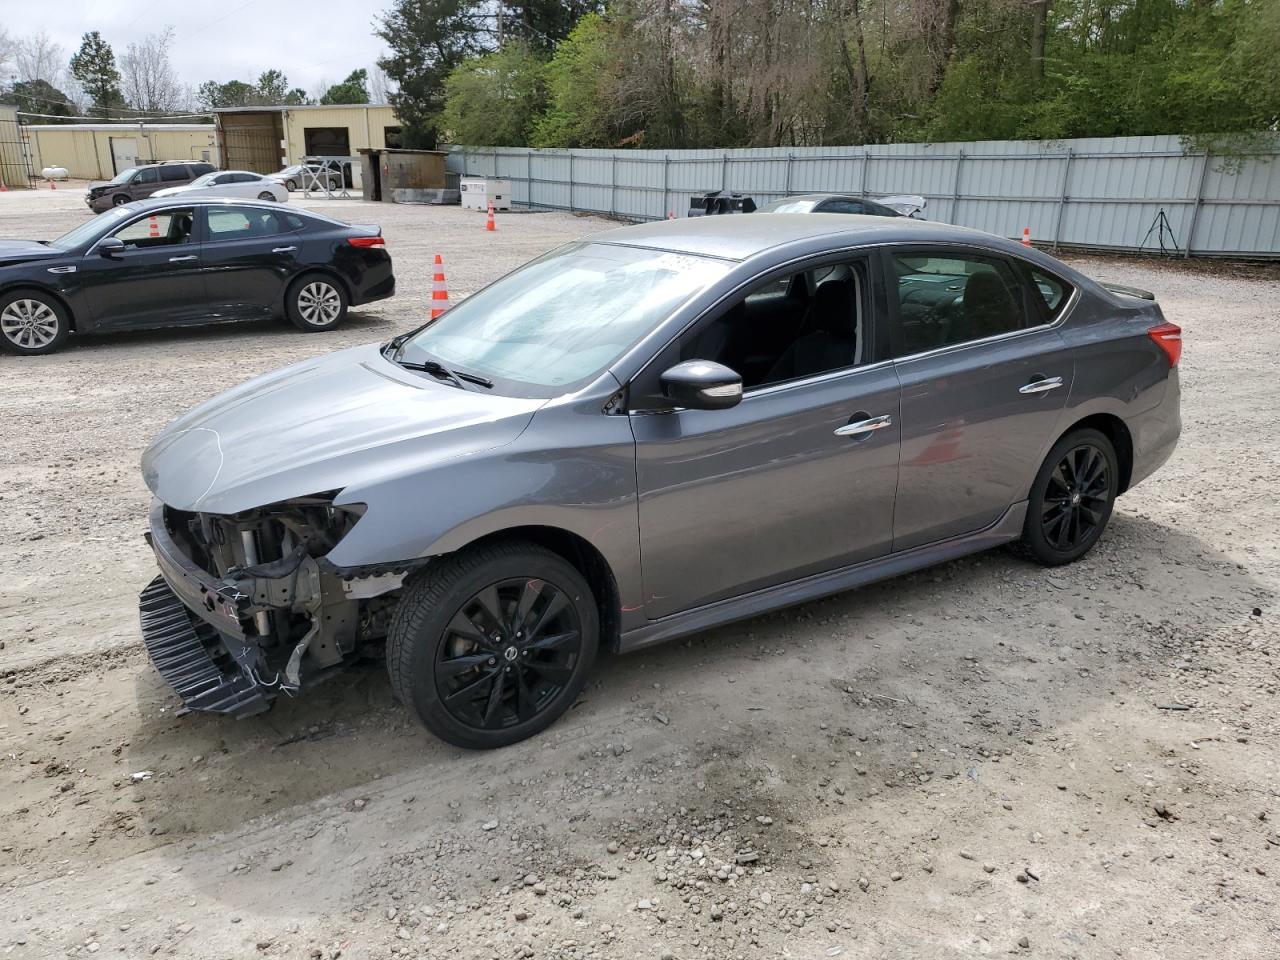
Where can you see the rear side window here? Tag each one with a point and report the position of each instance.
(174, 172)
(147, 175)
(200, 169)
(945, 299)
(1053, 291)
(227, 223)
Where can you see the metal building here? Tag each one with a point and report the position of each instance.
(98, 151)
(265, 139)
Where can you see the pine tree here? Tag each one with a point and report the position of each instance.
(94, 66)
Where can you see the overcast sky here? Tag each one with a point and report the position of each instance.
(308, 40)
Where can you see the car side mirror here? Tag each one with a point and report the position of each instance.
(110, 246)
(702, 385)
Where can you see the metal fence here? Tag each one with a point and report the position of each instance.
(1124, 193)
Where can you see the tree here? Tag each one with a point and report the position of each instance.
(379, 85)
(149, 81)
(354, 89)
(577, 79)
(541, 24)
(273, 86)
(233, 93)
(40, 96)
(496, 98)
(39, 58)
(94, 66)
(427, 39)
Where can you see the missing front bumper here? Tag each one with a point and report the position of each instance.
(195, 660)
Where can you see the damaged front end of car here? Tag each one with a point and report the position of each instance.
(247, 606)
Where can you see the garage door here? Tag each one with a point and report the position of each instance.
(327, 141)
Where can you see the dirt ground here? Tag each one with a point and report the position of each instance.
(972, 760)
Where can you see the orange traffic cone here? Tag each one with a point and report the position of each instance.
(1026, 236)
(3, 187)
(153, 227)
(52, 185)
(439, 293)
(671, 214)
(489, 224)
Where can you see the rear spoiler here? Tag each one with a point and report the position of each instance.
(1125, 291)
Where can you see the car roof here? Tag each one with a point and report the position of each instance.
(196, 200)
(741, 236)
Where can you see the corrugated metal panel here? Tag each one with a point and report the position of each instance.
(1088, 192)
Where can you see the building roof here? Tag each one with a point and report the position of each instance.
(201, 127)
(281, 108)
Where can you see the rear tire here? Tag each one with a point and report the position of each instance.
(1071, 499)
(266, 195)
(315, 302)
(290, 186)
(32, 322)
(493, 644)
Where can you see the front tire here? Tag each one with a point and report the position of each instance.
(1071, 499)
(492, 645)
(32, 322)
(316, 302)
(119, 200)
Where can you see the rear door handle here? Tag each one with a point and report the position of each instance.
(190, 256)
(1043, 385)
(862, 427)
(283, 249)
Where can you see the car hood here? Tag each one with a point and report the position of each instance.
(347, 419)
(18, 251)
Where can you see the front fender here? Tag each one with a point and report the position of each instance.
(588, 489)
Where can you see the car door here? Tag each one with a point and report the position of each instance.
(144, 183)
(985, 377)
(250, 253)
(154, 280)
(797, 479)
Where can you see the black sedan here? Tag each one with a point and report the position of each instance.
(179, 261)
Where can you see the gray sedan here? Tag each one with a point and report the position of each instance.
(640, 435)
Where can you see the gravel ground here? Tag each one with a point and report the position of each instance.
(973, 759)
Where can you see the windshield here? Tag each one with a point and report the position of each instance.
(204, 181)
(291, 170)
(92, 228)
(123, 175)
(790, 206)
(564, 317)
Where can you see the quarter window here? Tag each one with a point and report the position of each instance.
(1054, 291)
(945, 300)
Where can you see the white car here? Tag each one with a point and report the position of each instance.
(240, 184)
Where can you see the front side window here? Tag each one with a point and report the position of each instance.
(565, 317)
(800, 325)
(946, 299)
(165, 229)
(148, 175)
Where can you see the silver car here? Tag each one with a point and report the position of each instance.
(640, 435)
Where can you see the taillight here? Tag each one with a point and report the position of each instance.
(367, 241)
(1168, 337)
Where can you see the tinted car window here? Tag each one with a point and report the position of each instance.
(243, 178)
(147, 175)
(173, 172)
(198, 169)
(159, 230)
(944, 299)
(228, 223)
(842, 205)
(1054, 291)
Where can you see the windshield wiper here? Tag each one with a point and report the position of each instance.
(437, 369)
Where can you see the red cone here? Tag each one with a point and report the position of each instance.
(489, 224)
(1026, 236)
(439, 293)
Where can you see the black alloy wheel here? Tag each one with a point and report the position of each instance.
(1072, 498)
(492, 644)
(507, 653)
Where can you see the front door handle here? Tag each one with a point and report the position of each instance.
(190, 256)
(1043, 385)
(283, 249)
(862, 427)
